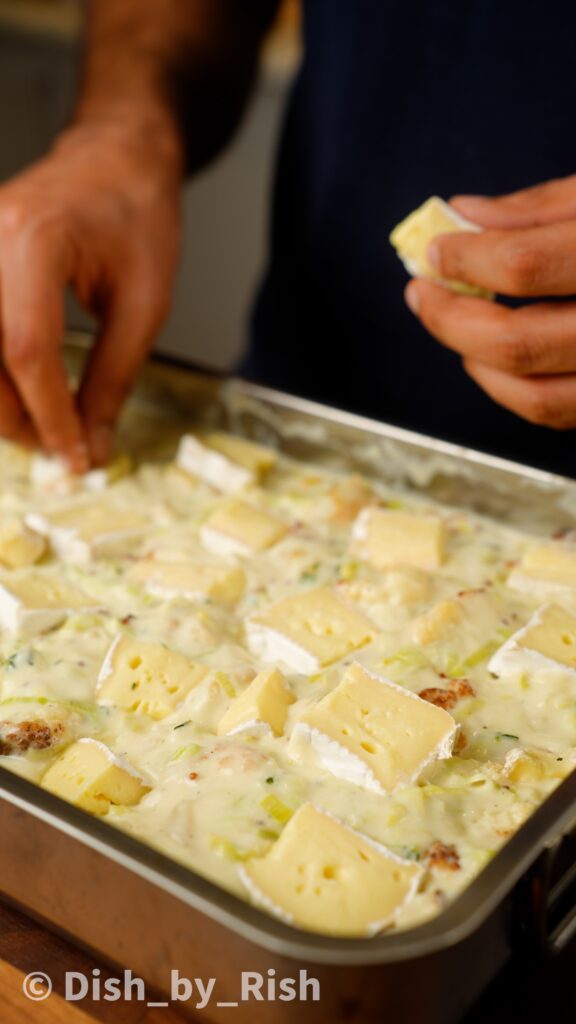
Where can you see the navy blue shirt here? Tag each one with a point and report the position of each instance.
(397, 101)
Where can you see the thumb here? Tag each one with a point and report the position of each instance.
(549, 203)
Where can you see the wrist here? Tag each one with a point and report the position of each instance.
(148, 142)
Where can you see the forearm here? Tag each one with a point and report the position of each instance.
(179, 71)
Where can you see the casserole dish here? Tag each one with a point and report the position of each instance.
(139, 909)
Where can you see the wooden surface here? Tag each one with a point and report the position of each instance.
(26, 947)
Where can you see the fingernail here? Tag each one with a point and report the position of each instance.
(101, 443)
(434, 256)
(412, 296)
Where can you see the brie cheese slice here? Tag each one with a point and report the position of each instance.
(548, 641)
(324, 877)
(372, 732)
(387, 538)
(412, 237)
(38, 602)
(308, 631)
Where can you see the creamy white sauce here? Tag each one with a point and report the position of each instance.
(205, 805)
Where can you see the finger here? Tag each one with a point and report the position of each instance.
(543, 204)
(533, 261)
(14, 423)
(539, 339)
(131, 324)
(546, 401)
(32, 324)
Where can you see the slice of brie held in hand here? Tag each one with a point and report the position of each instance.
(372, 732)
(263, 705)
(194, 581)
(324, 877)
(546, 569)
(308, 631)
(548, 641)
(90, 529)
(387, 538)
(238, 528)
(146, 678)
(226, 463)
(89, 775)
(412, 237)
(37, 602)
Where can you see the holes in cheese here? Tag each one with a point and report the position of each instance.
(238, 528)
(146, 678)
(545, 569)
(37, 602)
(372, 732)
(265, 702)
(308, 631)
(547, 641)
(412, 237)
(191, 580)
(226, 463)
(81, 531)
(89, 775)
(387, 538)
(322, 876)
(19, 545)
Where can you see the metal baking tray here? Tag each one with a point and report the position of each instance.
(138, 909)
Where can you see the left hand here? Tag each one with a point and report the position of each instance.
(524, 358)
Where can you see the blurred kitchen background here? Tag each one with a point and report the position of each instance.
(226, 207)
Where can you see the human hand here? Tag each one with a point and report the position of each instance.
(524, 358)
(101, 213)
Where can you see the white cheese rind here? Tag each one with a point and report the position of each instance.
(272, 646)
(17, 618)
(309, 743)
(414, 266)
(385, 767)
(330, 849)
(513, 658)
(222, 544)
(252, 725)
(540, 589)
(115, 759)
(387, 538)
(261, 899)
(308, 631)
(51, 473)
(65, 543)
(71, 547)
(14, 618)
(212, 467)
(192, 581)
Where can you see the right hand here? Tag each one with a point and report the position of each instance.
(102, 214)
